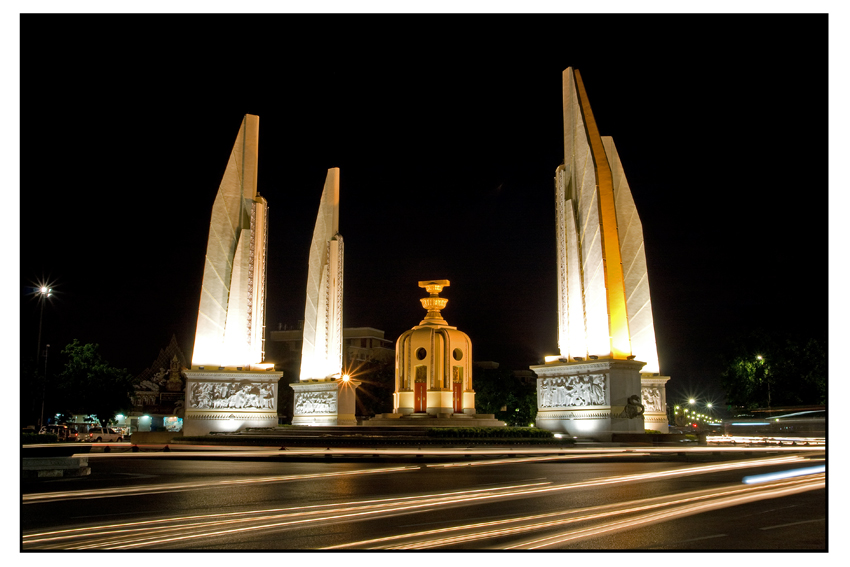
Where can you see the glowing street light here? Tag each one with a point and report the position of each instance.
(43, 293)
(692, 401)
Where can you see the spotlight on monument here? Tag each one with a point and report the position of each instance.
(346, 377)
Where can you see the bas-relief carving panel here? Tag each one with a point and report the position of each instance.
(651, 398)
(240, 395)
(315, 402)
(573, 391)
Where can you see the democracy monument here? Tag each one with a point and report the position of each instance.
(606, 378)
(228, 387)
(433, 372)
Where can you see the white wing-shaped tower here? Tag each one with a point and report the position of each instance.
(633, 254)
(604, 306)
(321, 353)
(231, 323)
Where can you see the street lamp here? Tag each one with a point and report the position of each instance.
(43, 293)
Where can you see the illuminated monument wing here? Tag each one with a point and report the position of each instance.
(321, 354)
(323, 397)
(228, 385)
(608, 367)
(230, 317)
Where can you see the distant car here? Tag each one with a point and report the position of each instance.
(103, 434)
(62, 432)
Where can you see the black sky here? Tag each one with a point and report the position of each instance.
(447, 130)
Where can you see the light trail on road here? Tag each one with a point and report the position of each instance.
(679, 505)
(680, 511)
(181, 486)
(187, 529)
(191, 451)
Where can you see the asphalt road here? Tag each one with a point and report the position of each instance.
(640, 502)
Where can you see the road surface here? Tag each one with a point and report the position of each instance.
(264, 501)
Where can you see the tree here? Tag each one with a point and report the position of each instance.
(32, 383)
(497, 388)
(89, 385)
(377, 385)
(764, 369)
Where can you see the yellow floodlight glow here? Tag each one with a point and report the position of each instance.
(346, 377)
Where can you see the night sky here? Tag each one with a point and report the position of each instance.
(447, 131)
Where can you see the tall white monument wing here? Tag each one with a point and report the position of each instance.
(633, 253)
(230, 316)
(321, 352)
(580, 190)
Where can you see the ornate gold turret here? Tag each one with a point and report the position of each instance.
(434, 303)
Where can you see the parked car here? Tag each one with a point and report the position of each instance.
(73, 434)
(103, 434)
(62, 432)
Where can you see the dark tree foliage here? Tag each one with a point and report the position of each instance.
(765, 369)
(497, 388)
(32, 390)
(377, 384)
(89, 385)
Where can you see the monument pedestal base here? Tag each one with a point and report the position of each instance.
(590, 399)
(434, 420)
(654, 396)
(227, 400)
(325, 402)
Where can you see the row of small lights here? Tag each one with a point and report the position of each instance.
(692, 414)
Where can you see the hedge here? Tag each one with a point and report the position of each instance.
(34, 438)
(502, 432)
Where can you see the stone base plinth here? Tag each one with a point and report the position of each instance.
(227, 400)
(590, 400)
(55, 467)
(431, 420)
(654, 396)
(325, 402)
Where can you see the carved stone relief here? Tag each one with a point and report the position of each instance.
(315, 402)
(238, 395)
(651, 398)
(572, 391)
